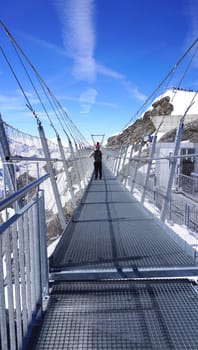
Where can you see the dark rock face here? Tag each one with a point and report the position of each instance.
(134, 133)
(190, 133)
(162, 107)
(142, 126)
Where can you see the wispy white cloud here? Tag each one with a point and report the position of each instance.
(76, 99)
(77, 19)
(131, 88)
(46, 44)
(109, 72)
(79, 36)
(9, 103)
(87, 100)
(107, 104)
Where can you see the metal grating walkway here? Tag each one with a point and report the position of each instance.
(121, 315)
(112, 234)
(118, 280)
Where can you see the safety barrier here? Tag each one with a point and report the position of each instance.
(154, 179)
(23, 264)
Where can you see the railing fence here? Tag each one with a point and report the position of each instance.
(23, 265)
(181, 198)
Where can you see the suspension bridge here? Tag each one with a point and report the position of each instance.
(119, 276)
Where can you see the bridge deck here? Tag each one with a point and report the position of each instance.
(112, 279)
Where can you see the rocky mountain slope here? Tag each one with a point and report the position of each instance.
(145, 125)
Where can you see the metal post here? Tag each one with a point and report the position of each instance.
(22, 275)
(152, 152)
(115, 163)
(186, 215)
(119, 160)
(32, 260)
(17, 285)
(52, 177)
(84, 165)
(172, 169)
(124, 159)
(3, 323)
(43, 246)
(75, 165)
(81, 164)
(27, 265)
(4, 153)
(136, 167)
(128, 165)
(10, 296)
(65, 164)
(37, 251)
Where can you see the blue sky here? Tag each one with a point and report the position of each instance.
(100, 58)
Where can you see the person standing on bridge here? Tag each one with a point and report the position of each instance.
(97, 154)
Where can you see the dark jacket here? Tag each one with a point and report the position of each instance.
(97, 155)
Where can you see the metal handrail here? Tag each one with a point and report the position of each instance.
(24, 283)
(160, 158)
(4, 203)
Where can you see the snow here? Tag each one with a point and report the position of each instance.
(181, 100)
(7, 213)
(191, 238)
(52, 246)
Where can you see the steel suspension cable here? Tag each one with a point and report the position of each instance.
(173, 69)
(35, 90)
(20, 86)
(186, 70)
(39, 77)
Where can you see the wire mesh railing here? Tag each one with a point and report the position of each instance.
(24, 159)
(188, 185)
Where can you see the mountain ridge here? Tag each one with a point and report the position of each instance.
(166, 110)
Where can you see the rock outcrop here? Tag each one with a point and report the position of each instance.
(190, 133)
(142, 126)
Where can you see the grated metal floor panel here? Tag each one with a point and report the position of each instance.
(120, 315)
(111, 229)
(111, 285)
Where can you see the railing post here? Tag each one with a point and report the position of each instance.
(186, 215)
(27, 266)
(115, 163)
(17, 285)
(43, 246)
(3, 323)
(52, 177)
(128, 165)
(152, 152)
(81, 164)
(9, 174)
(113, 160)
(119, 160)
(124, 159)
(75, 165)
(12, 330)
(22, 274)
(136, 166)
(172, 169)
(65, 164)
